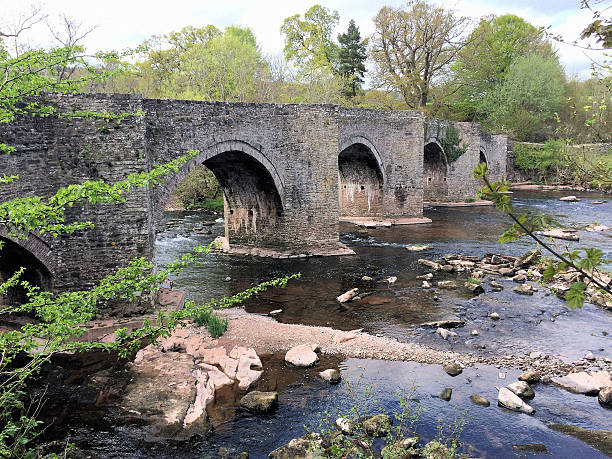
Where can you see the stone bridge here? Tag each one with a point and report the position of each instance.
(289, 174)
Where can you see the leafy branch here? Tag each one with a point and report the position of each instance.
(526, 225)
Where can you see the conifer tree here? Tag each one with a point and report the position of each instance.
(352, 58)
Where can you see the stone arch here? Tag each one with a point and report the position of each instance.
(361, 139)
(361, 178)
(435, 172)
(252, 187)
(34, 255)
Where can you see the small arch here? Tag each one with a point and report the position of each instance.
(347, 141)
(482, 158)
(14, 256)
(435, 172)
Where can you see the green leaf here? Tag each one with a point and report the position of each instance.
(550, 271)
(575, 295)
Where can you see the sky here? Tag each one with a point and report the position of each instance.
(126, 23)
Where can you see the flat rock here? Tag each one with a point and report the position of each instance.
(479, 400)
(302, 355)
(506, 271)
(522, 389)
(557, 233)
(430, 264)
(331, 375)
(571, 198)
(511, 401)
(418, 248)
(367, 279)
(585, 382)
(247, 358)
(496, 286)
(599, 439)
(597, 228)
(452, 368)
(427, 276)
(519, 278)
(259, 402)
(347, 296)
(448, 284)
(446, 323)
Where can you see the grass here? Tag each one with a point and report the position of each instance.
(212, 204)
(213, 323)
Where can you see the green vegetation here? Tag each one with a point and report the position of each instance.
(213, 323)
(200, 190)
(557, 161)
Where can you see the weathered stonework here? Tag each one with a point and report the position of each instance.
(288, 172)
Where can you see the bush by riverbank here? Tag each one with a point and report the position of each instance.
(588, 166)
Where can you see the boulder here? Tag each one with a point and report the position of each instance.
(444, 333)
(523, 289)
(347, 296)
(425, 284)
(306, 447)
(259, 402)
(506, 271)
(571, 198)
(494, 316)
(479, 400)
(519, 278)
(605, 396)
(331, 375)
(345, 425)
(435, 450)
(589, 356)
(530, 377)
(378, 426)
(597, 228)
(584, 382)
(522, 389)
(302, 355)
(496, 286)
(508, 399)
(473, 287)
(452, 368)
(446, 394)
(392, 279)
(402, 449)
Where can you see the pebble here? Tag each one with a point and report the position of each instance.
(589, 356)
(494, 316)
(227, 279)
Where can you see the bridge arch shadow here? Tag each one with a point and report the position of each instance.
(482, 158)
(361, 178)
(435, 172)
(16, 254)
(253, 191)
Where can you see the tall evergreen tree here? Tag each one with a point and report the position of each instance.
(352, 58)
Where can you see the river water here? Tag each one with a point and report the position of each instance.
(541, 322)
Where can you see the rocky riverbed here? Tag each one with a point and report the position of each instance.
(464, 325)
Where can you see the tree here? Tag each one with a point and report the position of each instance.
(526, 102)
(351, 58)
(308, 42)
(481, 65)
(413, 47)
